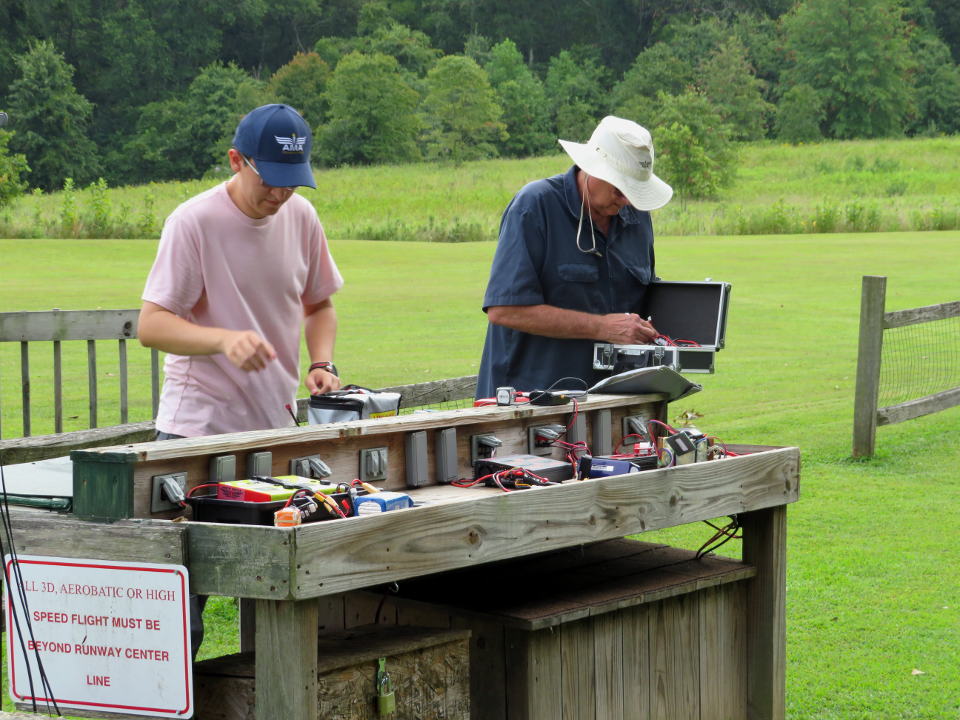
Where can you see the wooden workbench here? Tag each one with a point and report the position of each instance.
(286, 571)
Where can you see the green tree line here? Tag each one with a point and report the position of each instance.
(134, 91)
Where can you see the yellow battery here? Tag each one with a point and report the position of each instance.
(260, 491)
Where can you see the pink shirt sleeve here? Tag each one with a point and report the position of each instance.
(175, 281)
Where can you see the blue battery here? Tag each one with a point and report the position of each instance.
(381, 502)
(599, 467)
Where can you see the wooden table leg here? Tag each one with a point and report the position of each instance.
(247, 611)
(286, 664)
(765, 547)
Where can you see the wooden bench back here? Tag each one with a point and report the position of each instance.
(58, 326)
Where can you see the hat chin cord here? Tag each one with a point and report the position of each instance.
(585, 198)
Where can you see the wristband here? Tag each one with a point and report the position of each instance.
(324, 365)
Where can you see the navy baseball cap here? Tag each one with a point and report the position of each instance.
(279, 139)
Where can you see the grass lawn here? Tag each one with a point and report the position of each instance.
(873, 566)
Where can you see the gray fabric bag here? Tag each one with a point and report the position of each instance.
(352, 402)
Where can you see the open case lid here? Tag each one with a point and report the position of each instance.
(694, 311)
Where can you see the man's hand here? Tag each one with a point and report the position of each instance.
(550, 321)
(320, 381)
(247, 350)
(627, 329)
(159, 328)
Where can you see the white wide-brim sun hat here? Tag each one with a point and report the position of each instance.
(621, 152)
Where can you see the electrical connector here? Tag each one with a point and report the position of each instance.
(171, 490)
(546, 434)
(636, 425)
(318, 468)
(483, 446)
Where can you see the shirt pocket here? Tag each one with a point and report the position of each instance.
(575, 272)
(641, 274)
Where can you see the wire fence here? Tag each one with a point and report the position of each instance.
(919, 360)
(908, 363)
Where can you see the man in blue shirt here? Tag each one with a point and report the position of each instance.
(572, 265)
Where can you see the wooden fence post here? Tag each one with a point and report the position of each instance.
(872, 302)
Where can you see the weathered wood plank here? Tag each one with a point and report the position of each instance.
(103, 490)
(683, 584)
(92, 382)
(474, 526)
(123, 382)
(533, 675)
(341, 451)
(870, 347)
(723, 653)
(240, 442)
(25, 386)
(247, 622)
(578, 680)
(488, 680)
(608, 659)
(675, 657)
(636, 663)
(394, 546)
(548, 594)
(557, 588)
(332, 612)
(917, 408)
(430, 393)
(417, 613)
(286, 660)
(57, 326)
(154, 381)
(241, 561)
(372, 608)
(765, 547)
(42, 447)
(57, 388)
(39, 532)
(68, 325)
(914, 316)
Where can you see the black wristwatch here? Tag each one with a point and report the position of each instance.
(324, 365)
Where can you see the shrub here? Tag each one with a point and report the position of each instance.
(800, 115)
(12, 167)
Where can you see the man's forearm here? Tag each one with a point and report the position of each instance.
(547, 320)
(160, 329)
(320, 330)
(555, 322)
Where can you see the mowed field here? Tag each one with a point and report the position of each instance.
(837, 186)
(874, 567)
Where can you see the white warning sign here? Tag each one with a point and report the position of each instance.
(110, 636)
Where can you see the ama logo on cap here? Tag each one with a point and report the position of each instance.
(293, 144)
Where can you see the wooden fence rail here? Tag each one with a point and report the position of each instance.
(58, 326)
(873, 321)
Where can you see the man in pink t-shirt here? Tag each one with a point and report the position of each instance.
(239, 268)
